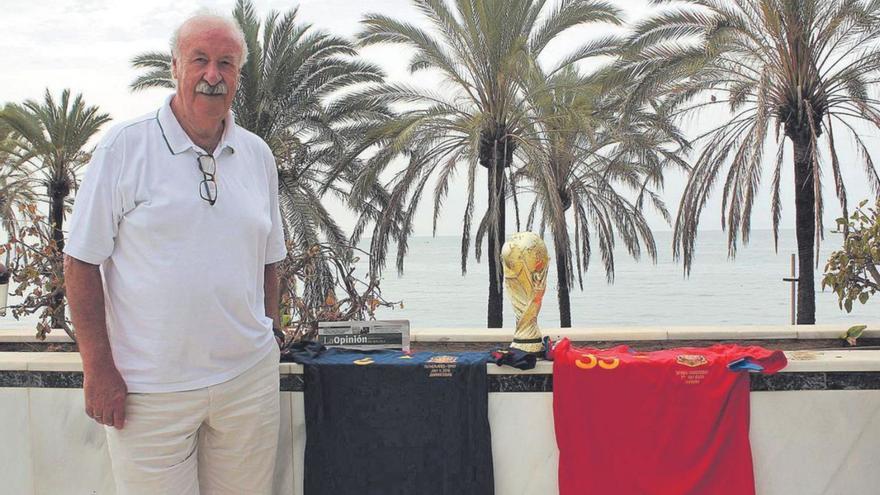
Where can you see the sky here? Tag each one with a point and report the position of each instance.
(87, 46)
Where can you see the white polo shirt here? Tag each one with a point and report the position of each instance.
(183, 280)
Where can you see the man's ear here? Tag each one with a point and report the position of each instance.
(174, 68)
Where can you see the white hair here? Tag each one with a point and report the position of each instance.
(206, 16)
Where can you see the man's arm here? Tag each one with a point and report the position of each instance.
(103, 386)
(272, 295)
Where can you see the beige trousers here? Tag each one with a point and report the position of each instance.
(217, 440)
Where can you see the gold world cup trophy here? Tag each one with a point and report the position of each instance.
(525, 261)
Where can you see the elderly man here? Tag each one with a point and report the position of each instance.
(172, 285)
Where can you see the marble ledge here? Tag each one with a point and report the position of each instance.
(854, 360)
(21, 334)
(644, 333)
(12, 332)
(505, 383)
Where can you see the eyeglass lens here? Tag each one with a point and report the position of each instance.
(208, 186)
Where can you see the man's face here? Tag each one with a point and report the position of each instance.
(206, 70)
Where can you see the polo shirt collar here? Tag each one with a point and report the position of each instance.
(177, 140)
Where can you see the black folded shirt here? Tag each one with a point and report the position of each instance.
(391, 423)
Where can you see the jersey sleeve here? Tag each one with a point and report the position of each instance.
(276, 249)
(97, 209)
(558, 349)
(756, 359)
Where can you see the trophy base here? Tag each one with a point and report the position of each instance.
(532, 346)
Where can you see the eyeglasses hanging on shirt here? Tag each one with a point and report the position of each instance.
(208, 186)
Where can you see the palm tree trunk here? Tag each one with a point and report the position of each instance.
(805, 226)
(57, 194)
(562, 291)
(495, 316)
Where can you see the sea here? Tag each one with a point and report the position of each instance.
(745, 290)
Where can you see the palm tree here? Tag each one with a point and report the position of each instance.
(289, 96)
(47, 140)
(16, 187)
(16, 192)
(802, 68)
(583, 156)
(477, 47)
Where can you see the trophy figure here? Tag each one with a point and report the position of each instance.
(525, 262)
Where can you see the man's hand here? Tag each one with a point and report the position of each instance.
(105, 393)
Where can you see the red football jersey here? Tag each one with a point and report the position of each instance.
(669, 422)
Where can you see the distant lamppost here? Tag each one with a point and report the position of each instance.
(793, 280)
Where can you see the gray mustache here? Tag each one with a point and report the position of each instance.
(205, 88)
